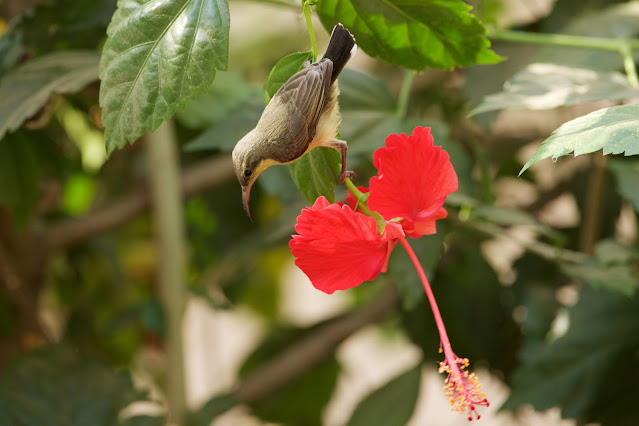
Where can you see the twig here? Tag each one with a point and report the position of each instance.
(74, 231)
(304, 355)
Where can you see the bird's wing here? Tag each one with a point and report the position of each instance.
(307, 90)
(293, 113)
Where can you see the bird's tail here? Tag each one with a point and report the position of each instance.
(340, 49)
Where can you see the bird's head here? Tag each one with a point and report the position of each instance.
(250, 159)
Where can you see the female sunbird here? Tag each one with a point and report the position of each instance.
(302, 115)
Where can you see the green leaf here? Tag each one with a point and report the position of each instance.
(626, 174)
(503, 216)
(54, 386)
(366, 130)
(611, 268)
(20, 174)
(228, 93)
(392, 404)
(316, 173)
(283, 70)
(143, 421)
(612, 129)
(617, 277)
(415, 35)
(547, 86)
(584, 370)
(79, 191)
(225, 134)
(69, 24)
(213, 408)
(611, 251)
(11, 47)
(362, 91)
(24, 90)
(158, 55)
(52, 25)
(369, 112)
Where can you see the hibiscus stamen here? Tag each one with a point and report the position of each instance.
(461, 387)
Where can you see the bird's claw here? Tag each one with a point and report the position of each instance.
(346, 174)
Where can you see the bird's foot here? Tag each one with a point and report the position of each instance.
(346, 174)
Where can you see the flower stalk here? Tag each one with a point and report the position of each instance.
(462, 388)
(363, 207)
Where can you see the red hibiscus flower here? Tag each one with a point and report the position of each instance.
(339, 246)
(413, 179)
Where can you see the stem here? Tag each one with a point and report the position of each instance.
(309, 25)
(620, 45)
(353, 189)
(629, 64)
(164, 179)
(463, 389)
(429, 293)
(565, 40)
(404, 93)
(363, 207)
(282, 3)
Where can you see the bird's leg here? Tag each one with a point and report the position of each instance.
(342, 148)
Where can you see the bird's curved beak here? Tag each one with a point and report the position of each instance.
(246, 194)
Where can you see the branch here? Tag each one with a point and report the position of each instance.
(70, 232)
(307, 353)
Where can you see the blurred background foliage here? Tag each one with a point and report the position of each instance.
(536, 276)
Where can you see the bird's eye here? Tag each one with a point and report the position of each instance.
(248, 172)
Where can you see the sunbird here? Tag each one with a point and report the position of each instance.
(302, 115)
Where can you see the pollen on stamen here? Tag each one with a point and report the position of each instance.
(461, 387)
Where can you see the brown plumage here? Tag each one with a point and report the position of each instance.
(302, 115)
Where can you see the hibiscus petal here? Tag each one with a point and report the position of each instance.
(414, 177)
(338, 248)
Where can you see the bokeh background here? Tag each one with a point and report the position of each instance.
(535, 274)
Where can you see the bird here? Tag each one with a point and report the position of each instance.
(302, 115)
